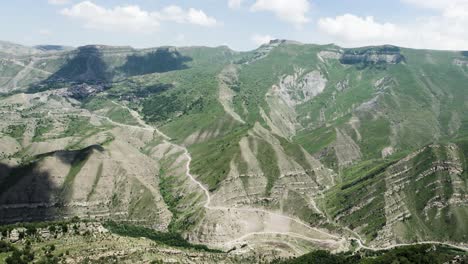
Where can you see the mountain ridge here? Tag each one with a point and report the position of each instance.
(273, 41)
(365, 142)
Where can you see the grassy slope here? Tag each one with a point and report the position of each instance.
(407, 103)
(364, 186)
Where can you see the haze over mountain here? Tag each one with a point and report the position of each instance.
(277, 151)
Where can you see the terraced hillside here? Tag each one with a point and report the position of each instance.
(291, 146)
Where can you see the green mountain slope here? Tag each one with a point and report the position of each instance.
(368, 142)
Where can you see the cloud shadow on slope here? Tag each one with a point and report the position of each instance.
(30, 192)
(159, 61)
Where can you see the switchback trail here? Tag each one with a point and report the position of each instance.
(207, 203)
(336, 239)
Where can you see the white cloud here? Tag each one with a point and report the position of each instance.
(198, 17)
(176, 14)
(437, 4)
(354, 29)
(58, 2)
(172, 13)
(443, 31)
(291, 11)
(125, 18)
(261, 39)
(235, 4)
(132, 18)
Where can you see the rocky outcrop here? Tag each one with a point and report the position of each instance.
(372, 56)
(329, 55)
(282, 99)
(346, 150)
(227, 83)
(402, 184)
(264, 50)
(460, 61)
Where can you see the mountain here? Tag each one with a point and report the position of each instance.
(52, 47)
(9, 48)
(286, 148)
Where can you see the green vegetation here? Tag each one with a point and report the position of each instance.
(79, 160)
(427, 254)
(162, 107)
(31, 248)
(77, 126)
(361, 184)
(376, 137)
(5, 247)
(298, 205)
(315, 140)
(121, 115)
(269, 164)
(170, 239)
(16, 131)
(42, 127)
(211, 159)
(23, 256)
(31, 227)
(95, 182)
(168, 193)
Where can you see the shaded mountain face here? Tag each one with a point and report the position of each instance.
(161, 60)
(369, 142)
(86, 66)
(51, 47)
(91, 64)
(50, 67)
(33, 185)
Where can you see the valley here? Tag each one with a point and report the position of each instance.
(278, 151)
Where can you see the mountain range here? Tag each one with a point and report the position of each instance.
(287, 148)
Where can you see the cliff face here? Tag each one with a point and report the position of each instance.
(372, 56)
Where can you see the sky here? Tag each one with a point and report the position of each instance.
(240, 24)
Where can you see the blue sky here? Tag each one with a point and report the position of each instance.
(240, 24)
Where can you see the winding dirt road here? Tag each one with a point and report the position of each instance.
(335, 239)
(207, 203)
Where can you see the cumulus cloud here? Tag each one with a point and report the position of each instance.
(261, 39)
(128, 18)
(446, 30)
(436, 4)
(132, 18)
(58, 2)
(354, 29)
(198, 17)
(191, 16)
(291, 11)
(235, 4)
